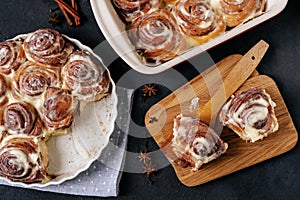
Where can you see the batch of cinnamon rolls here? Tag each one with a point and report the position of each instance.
(250, 114)
(44, 81)
(163, 29)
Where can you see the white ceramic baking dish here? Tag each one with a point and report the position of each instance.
(114, 31)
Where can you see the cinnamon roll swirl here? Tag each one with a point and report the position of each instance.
(3, 89)
(250, 114)
(11, 56)
(58, 108)
(198, 20)
(86, 77)
(22, 119)
(33, 78)
(130, 9)
(3, 133)
(47, 46)
(24, 160)
(171, 1)
(156, 37)
(236, 12)
(195, 143)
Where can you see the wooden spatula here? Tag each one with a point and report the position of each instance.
(239, 74)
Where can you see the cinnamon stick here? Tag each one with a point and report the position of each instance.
(75, 6)
(68, 9)
(66, 15)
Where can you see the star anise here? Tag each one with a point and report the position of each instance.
(149, 169)
(144, 157)
(149, 90)
(54, 20)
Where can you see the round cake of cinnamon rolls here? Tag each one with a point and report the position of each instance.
(160, 30)
(43, 80)
(250, 114)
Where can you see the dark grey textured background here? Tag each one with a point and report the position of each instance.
(277, 178)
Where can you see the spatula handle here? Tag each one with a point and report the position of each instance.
(236, 77)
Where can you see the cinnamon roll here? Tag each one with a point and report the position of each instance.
(24, 160)
(236, 12)
(86, 77)
(32, 79)
(198, 20)
(47, 46)
(250, 114)
(3, 89)
(21, 119)
(58, 108)
(130, 9)
(156, 37)
(11, 56)
(194, 142)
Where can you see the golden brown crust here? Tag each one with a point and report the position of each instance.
(171, 1)
(11, 56)
(236, 12)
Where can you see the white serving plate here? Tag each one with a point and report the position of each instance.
(114, 31)
(74, 152)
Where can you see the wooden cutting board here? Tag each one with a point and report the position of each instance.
(240, 154)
